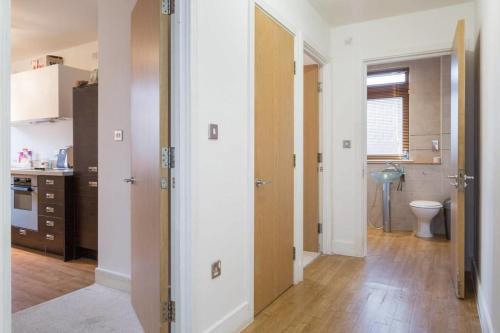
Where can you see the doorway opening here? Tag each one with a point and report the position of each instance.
(54, 167)
(313, 159)
(408, 145)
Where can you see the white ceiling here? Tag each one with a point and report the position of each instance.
(340, 12)
(46, 25)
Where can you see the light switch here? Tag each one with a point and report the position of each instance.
(346, 144)
(118, 135)
(213, 132)
(216, 269)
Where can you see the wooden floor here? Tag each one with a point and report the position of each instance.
(37, 278)
(404, 285)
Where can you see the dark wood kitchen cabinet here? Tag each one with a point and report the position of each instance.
(85, 106)
(56, 227)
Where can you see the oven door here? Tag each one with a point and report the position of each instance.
(25, 207)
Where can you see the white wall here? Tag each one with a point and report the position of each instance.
(419, 32)
(84, 56)
(489, 210)
(114, 157)
(45, 139)
(5, 194)
(221, 171)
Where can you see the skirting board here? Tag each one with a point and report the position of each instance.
(346, 249)
(484, 314)
(112, 279)
(234, 321)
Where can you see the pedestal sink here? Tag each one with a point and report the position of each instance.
(386, 177)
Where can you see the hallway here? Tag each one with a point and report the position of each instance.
(402, 286)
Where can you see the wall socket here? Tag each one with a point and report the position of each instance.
(216, 269)
(118, 135)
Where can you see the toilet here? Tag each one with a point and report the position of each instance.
(425, 212)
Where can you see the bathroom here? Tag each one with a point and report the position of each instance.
(408, 128)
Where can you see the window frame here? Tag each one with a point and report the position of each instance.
(401, 90)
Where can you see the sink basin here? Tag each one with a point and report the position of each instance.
(386, 176)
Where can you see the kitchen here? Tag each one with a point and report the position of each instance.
(54, 174)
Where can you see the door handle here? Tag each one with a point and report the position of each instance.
(460, 180)
(262, 182)
(130, 180)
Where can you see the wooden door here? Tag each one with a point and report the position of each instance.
(150, 132)
(274, 160)
(311, 158)
(458, 178)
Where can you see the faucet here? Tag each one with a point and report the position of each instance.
(395, 166)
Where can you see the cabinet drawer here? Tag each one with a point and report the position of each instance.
(51, 196)
(51, 182)
(26, 237)
(50, 210)
(50, 224)
(54, 242)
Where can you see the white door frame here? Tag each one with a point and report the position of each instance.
(325, 136)
(181, 243)
(5, 193)
(377, 61)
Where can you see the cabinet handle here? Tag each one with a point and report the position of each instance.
(49, 209)
(22, 232)
(49, 237)
(50, 195)
(50, 223)
(49, 182)
(92, 184)
(93, 169)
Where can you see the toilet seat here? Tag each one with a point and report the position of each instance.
(426, 204)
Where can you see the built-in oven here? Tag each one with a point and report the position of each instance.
(25, 202)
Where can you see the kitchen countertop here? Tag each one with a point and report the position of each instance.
(50, 172)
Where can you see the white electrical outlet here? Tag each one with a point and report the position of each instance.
(118, 135)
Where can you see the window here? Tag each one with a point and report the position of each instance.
(388, 114)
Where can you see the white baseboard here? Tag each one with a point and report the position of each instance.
(234, 321)
(112, 279)
(344, 248)
(484, 314)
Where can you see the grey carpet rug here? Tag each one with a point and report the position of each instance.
(93, 309)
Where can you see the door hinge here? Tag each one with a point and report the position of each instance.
(320, 86)
(294, 255)
(168, 7)
(320, 158)
(168, 311)
(164, 183)
(294, 68)
(320, 228)
(168, 157)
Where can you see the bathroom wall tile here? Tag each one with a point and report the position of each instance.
(423, 141)
(423, 156)
(446, 125)
(445, 141)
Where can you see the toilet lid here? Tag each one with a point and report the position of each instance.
(426, 204)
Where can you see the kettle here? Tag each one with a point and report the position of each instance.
(65, 158)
